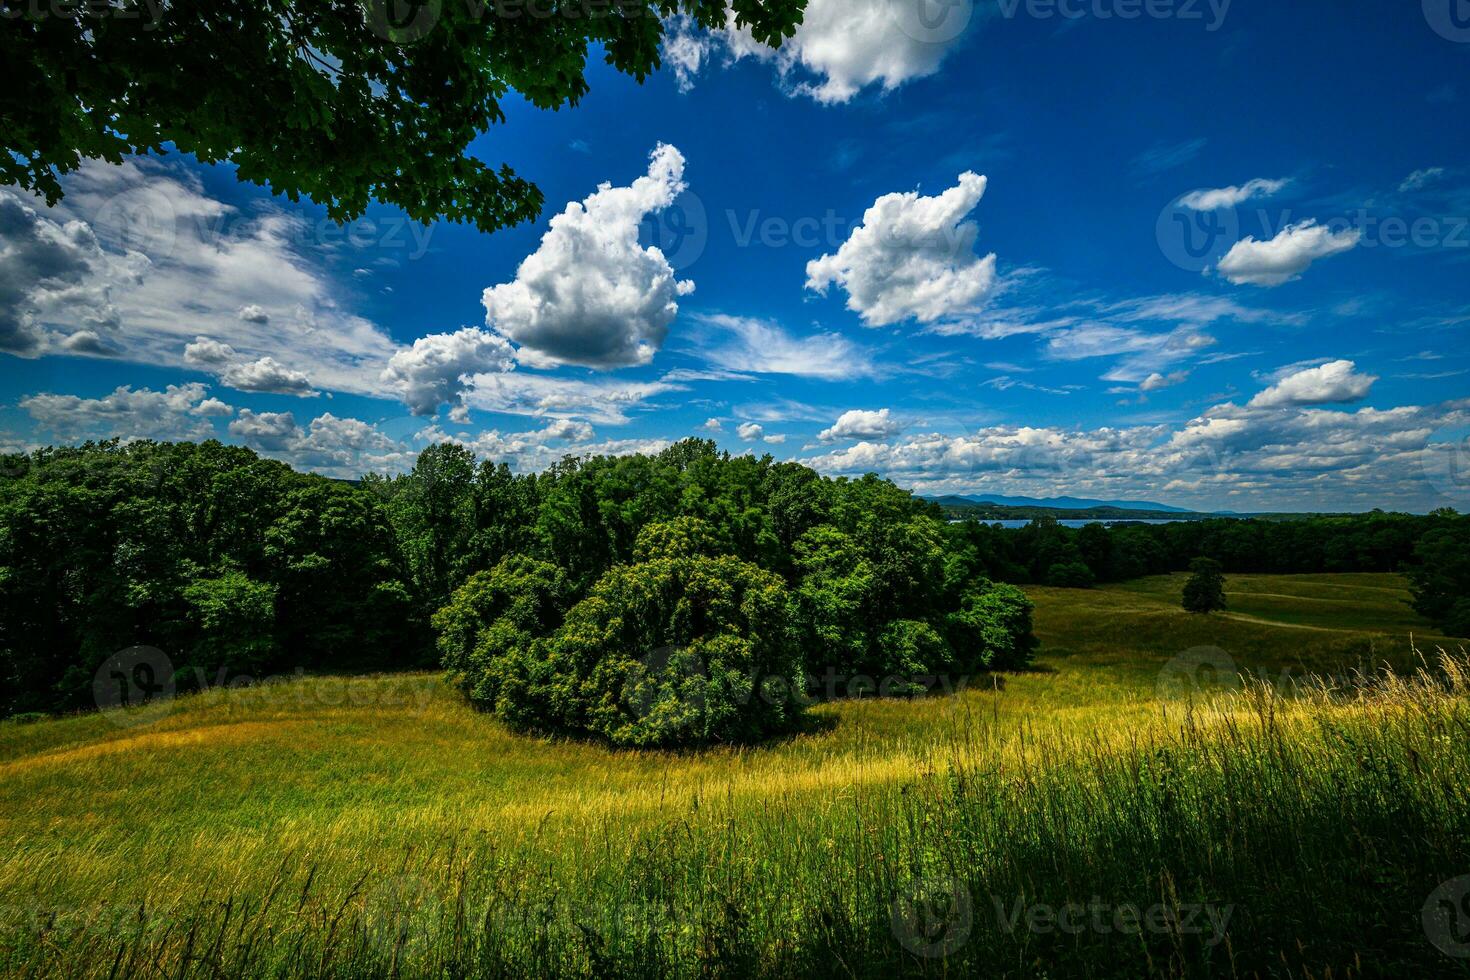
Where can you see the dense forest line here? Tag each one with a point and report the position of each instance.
(1046, 552)
(686, 596)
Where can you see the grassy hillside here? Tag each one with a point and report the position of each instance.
(1276, 625)
(372, 826)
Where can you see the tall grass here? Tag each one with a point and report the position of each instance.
(1254, 834)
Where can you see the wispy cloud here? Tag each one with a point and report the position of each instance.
(1220, 198)
(1163, 157)
(751, 346)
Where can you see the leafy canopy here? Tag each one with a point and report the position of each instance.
(671, 651)
(1440, 578)
(232, 565)
(236, 566)
(491, 623)
(341, 100)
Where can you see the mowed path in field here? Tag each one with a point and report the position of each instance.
(1246, 618)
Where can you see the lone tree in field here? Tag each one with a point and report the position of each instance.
(1205, 590)
(341, 100)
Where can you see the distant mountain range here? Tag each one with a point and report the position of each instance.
(1058, 503)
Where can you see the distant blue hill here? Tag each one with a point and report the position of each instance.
(1069, 503)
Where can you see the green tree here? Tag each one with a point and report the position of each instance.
(1095, 545)
(682, 537)
(670, 652)
(1439, 578)
(991, 630)
(433, 514)
(797, 501)
(907, 650)
(1071, 575)
(1204, 592)
(341, 602)
(490, 626)
(341, 100)
(236, 626)
(223, 560)
(833, 601)
(505, 514)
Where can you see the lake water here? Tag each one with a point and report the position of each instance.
(1160, 520)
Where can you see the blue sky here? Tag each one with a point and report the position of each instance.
(1218, 257)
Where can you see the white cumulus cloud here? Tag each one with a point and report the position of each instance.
(911, 258)
(861, 424)
(236, 371)
(435, 370)
(177, 412)
(840, 48)
(590, 294)
(1335, 381)
(1286, 256)
(265, 430)
(342, 447)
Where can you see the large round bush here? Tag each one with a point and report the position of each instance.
(669, 652)
(490, 624)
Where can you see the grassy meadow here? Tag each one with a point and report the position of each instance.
(1112, 812)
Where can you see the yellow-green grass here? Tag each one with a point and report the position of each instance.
(1275, 624)
(361, 826)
